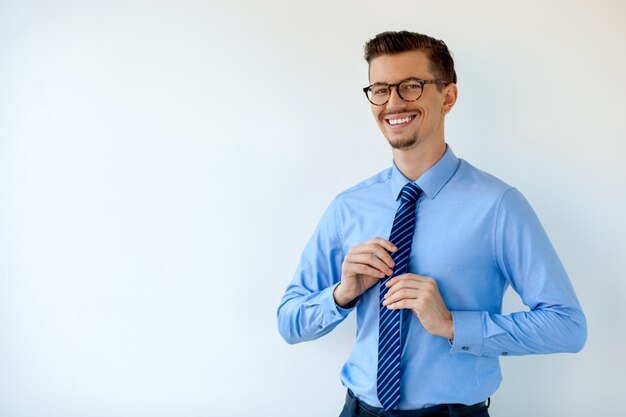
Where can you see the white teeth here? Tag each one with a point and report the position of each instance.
(399, 121)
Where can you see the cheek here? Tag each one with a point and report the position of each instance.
(376, 112)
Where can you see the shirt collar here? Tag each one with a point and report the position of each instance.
(431, 181)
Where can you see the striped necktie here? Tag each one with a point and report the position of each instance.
(389, 348)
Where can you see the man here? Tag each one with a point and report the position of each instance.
(423, 251)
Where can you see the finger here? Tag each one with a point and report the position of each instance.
(356, 269)
(384, 243)
(408, 277)
(400, 305)
(397, 284)
(383, 255)
(371, 260)
(380, 252)
(403, 294)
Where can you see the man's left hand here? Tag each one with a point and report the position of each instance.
(421, 295)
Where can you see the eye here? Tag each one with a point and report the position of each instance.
(411, 85)
(379, 90)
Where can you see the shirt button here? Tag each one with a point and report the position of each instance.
(505, 353)
(465, 348)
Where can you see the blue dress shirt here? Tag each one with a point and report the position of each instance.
(474, 235)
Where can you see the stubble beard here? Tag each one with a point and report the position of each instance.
(404, 143)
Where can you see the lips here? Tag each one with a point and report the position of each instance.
(399, 120)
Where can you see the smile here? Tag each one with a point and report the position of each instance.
(401, 121)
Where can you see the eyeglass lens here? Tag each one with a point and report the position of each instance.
(409, 90)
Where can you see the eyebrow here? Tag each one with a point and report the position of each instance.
(405, 79)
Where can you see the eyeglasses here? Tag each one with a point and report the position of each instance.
(408, 90)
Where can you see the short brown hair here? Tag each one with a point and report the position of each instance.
(389, 43)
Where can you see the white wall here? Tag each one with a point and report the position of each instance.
(163, 163)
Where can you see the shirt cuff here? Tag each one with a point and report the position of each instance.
(468, 332)
(327, 303)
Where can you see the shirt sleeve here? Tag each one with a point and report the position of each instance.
(524, 254)
(307, 309)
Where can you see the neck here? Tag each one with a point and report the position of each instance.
(413, 162)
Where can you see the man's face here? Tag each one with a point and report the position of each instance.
(421, 121)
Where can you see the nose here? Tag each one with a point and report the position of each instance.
(395, 101)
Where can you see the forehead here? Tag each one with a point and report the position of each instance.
(397, 67)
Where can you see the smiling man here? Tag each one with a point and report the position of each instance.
(424, 251)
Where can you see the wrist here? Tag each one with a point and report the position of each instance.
(450, 330)
(343, 298)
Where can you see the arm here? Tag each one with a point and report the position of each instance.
(327, 284)
(307, 309)
(524, 254)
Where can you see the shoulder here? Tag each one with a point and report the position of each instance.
(365, 189)
(361, 197)
(485, 190)
(478, 183)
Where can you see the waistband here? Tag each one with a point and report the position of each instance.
(453, 410)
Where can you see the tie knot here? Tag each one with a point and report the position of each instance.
(410, 193)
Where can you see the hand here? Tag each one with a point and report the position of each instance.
(364, 265)
(421, 295)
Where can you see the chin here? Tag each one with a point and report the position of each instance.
(403, 143)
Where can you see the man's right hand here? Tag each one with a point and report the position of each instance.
(364, 265)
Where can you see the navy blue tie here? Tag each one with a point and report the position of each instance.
(389, 347)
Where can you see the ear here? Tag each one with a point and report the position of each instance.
(450, 94)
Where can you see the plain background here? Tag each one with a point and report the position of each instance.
(163, 163)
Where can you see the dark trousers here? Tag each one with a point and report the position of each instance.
(357, 408)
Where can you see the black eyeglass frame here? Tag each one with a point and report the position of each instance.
(421, 82)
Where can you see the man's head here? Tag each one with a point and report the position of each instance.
(412, 87)
(391, 43)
